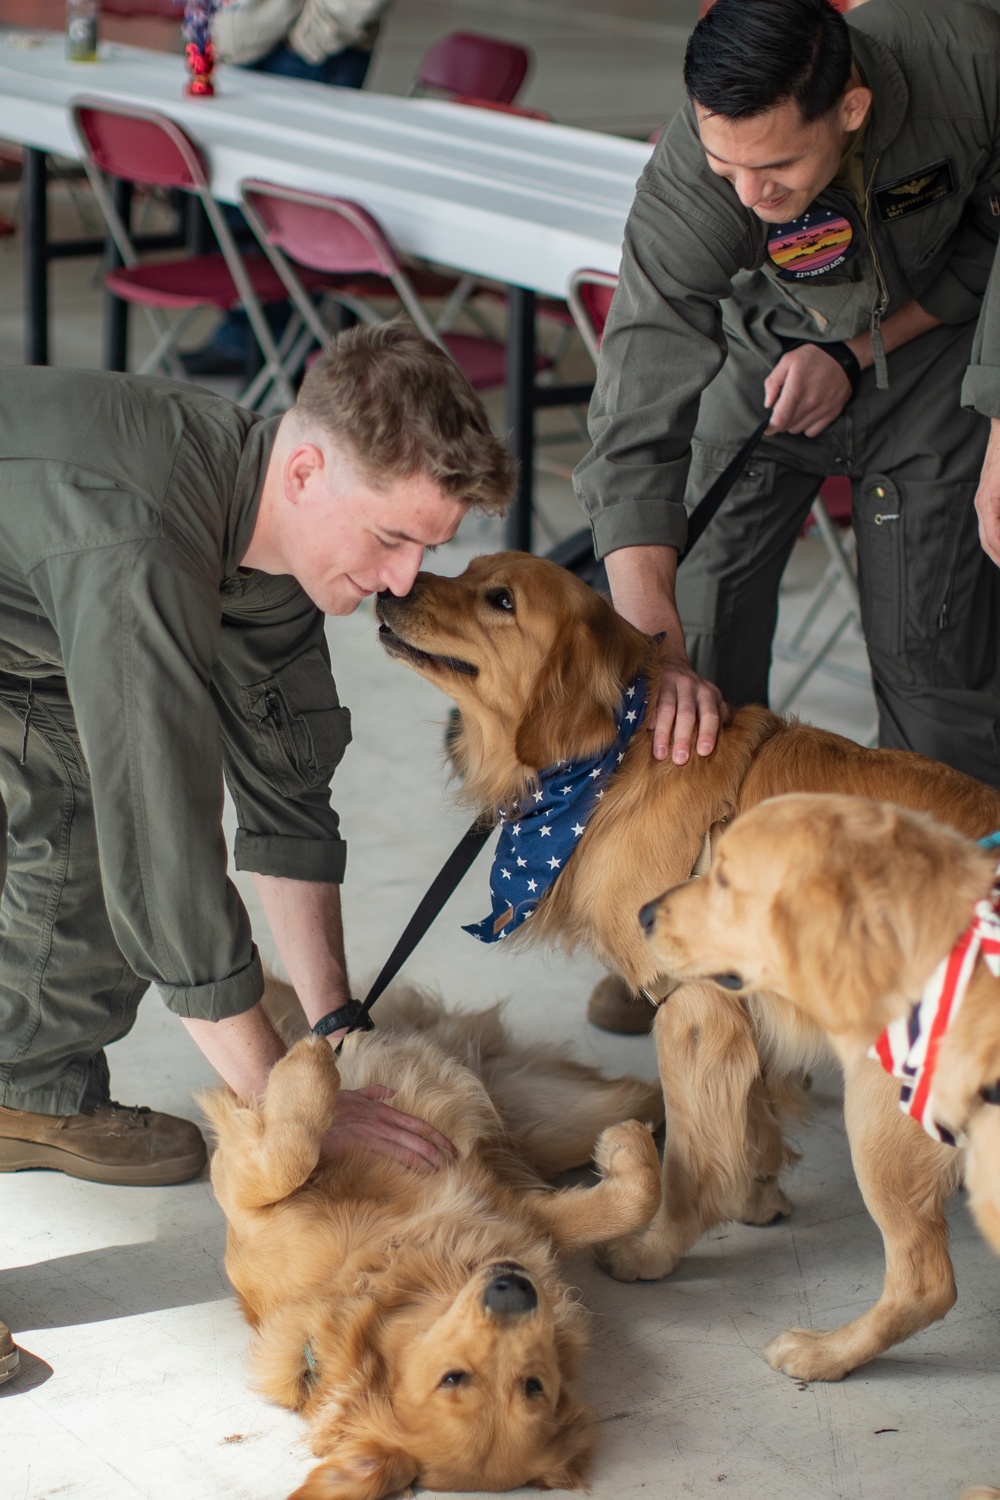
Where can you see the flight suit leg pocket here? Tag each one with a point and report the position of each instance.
(878, 524)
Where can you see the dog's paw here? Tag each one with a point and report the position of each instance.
(647, 1255)
(765, 1204)
(304, 1086)
(630, 1165)
(808, 1354)
(626, 1150)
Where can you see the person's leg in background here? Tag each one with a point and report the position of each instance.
(727, 589)
(66, 991)
(930, 597)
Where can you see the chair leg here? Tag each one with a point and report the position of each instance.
(162, 352)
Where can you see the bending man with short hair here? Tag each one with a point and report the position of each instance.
(166, 563)
(815, 235)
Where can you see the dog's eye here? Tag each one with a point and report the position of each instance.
(533, 1387)
(501, 599)
(453, 1378)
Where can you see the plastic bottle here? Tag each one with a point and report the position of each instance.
(81, 30)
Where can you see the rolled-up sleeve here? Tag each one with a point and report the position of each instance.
(663, 344)
(139, 625)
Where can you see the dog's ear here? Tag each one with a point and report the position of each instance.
(570, 712)
(568, 1460)
(839, 946)
(364, 1469)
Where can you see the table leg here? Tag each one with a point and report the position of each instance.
(115, 310)
(34, 169)
(521, 410)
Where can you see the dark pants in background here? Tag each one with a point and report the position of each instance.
(930, 597)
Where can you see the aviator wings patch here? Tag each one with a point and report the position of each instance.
(908, 195)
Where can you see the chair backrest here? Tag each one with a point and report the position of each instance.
(138, 145)
(470, 64)
(168, 10)
(324, 234)
(502, 109)
(590, 294)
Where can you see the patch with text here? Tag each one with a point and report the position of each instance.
(814, 244)
(908, 195)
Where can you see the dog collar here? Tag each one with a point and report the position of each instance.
(539, 836)
(910, 1046)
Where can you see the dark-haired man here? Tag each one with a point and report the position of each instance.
(166, 563)
(816, 234)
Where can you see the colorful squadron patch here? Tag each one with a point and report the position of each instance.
(814, 244)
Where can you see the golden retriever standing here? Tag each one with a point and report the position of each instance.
(537, 663)
(846, 908)
(419, 1322)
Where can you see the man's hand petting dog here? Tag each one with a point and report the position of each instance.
(364, 1121)
(686, 705)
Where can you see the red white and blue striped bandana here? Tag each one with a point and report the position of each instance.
(537, 839)
(910, 1047)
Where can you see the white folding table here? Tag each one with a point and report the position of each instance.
(519, 201)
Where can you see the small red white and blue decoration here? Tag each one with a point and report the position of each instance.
(910, 1046)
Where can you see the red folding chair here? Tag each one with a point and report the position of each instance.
(590, 294)
(302, 232)
(468, 63)
(146, 148)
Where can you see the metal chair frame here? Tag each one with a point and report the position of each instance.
(169, 332)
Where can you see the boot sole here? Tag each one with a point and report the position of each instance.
(9, 1366)
(24, 1156)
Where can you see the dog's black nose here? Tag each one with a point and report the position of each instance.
(647, 916)
(511, 1295)
(728, 981)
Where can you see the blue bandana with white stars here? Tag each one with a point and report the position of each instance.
(538, 837)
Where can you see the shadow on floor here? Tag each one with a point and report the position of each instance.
(117, 1281)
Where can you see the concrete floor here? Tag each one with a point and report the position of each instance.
(133, 1383)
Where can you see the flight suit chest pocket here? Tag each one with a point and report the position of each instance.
(298, 728)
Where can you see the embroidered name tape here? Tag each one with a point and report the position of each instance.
(814, 244)
(908, 195)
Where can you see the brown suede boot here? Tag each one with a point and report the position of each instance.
(114, 1143)
(9, 1357)
(614, 1007)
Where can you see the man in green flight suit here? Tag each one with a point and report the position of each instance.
(816, 236)
(166, 563)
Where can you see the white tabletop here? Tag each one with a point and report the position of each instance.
(520, 200)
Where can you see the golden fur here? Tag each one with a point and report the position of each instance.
(536, 662)
(383, 1273)
(845, 907)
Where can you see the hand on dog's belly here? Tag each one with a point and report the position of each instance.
(364, 1121)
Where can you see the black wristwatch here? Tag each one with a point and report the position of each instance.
(352, 1015)
(845, 357)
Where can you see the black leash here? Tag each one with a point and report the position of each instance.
(708, 505)
(355, 1014)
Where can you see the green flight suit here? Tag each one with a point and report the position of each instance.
(696, 326)
(138, 666)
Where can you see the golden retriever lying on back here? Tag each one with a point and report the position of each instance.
(846, 908)
(419, 1322)
(538, 663)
